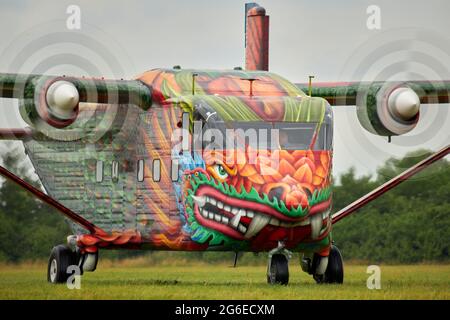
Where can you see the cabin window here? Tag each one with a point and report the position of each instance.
(156, 170)
(115, 171)
(99, 171)
(185, 142)
(174, 170)
(140, 172)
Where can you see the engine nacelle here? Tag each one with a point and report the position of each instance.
(48, 103)
(388, 110)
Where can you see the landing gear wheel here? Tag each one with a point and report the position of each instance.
(278, 270)
(89, 262)
(335, 268)
(61, 257)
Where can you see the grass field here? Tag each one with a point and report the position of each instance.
(115, 281)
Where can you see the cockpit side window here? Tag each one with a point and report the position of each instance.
(299, 136)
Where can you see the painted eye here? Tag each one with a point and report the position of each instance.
(220, 171)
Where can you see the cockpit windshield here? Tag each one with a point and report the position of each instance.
(274, 135)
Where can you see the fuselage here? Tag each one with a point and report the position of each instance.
(223, 160)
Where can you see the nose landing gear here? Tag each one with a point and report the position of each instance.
(278, 266)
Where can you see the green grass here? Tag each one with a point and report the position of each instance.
(28, 281)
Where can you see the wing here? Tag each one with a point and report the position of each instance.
(384, 108)
(346, 93)
(54, 100)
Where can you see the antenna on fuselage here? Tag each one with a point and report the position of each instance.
(310, 85)
(193, 82)
(251, 85)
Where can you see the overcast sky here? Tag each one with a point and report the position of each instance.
(329, 39)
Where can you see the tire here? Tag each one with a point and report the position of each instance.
(335, 268)
(89, 262)
(61, 257)
(278, 272)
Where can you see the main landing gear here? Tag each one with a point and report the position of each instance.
(323, 269)
(64, 256)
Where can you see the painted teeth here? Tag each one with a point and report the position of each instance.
(234, 222)
(237, 218)
(242, 228)
(316, 225)
(274, 222)
(201, 201)
(327, 227)
(258, 222)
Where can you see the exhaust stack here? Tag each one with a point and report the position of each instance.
(256, 38)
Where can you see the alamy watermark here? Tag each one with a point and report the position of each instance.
(374, 19)
(73, 21)
(74, 280)
(374, 280)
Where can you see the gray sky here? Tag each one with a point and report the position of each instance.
(328, 39)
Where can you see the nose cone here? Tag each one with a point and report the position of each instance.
(62, 98)
(404, 103)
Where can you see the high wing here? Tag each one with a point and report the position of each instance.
(54, 100)
(346, 93)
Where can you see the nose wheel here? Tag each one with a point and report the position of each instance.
(278, 272)
(278, 266)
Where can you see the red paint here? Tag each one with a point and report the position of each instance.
(15, 133)
(257, 46)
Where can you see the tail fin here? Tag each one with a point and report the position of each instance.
(256, 37)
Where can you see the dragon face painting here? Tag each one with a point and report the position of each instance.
(251, 198)
(255, 205)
